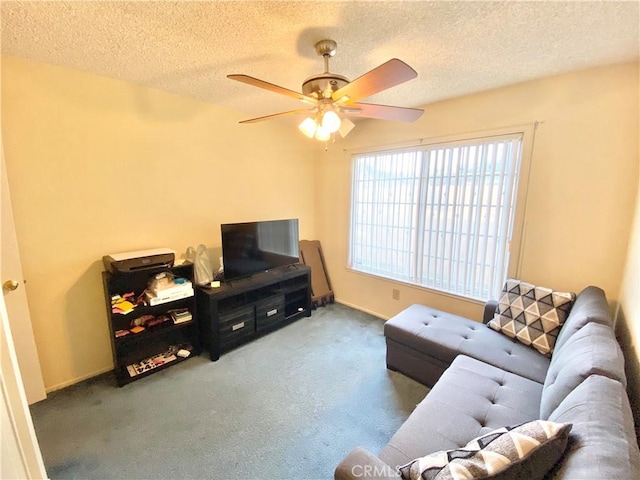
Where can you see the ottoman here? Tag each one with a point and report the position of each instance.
(422, 342)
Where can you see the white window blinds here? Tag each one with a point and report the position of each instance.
(439, 216)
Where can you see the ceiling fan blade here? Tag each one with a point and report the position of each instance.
(385, 112)
(272, 88)
(276, 115)
(380, 78)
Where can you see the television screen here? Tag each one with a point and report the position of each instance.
(253, 247)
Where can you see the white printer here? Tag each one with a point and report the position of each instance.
(141, 260)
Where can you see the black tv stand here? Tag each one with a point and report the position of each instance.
(242, 310)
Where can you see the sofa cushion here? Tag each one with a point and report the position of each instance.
(470, 399)
(592, 350)
(526, 451)
(602, 443)
(443, 336)
(590, 306)
(532, 314)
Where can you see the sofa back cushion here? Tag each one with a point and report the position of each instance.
(590, 306)
(592, 350)
(602, 443)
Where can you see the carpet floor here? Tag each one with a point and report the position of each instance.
(290, 405)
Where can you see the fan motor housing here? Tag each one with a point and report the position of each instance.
(323, 84)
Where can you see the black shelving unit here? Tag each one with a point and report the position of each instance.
(134, 348)
(243, 310)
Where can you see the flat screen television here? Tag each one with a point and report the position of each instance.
(253, 247)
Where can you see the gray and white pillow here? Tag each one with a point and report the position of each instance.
(531, 314)
(529, 450)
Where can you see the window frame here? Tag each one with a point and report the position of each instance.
(515, 246)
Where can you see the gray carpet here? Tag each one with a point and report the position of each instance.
(290, 405)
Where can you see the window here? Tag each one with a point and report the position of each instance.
(439, 216)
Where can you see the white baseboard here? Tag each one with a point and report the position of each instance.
(68, 383)
(365, 310)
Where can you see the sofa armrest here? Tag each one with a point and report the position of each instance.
(489, 310)
(362, 464)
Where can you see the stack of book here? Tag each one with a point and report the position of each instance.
(176, 290)
(180, 315)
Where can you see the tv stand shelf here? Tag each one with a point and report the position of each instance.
(242, 310)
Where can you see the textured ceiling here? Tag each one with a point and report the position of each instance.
(188, 48)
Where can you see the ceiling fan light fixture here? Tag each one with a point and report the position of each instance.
(331, 121)
(308, 127)
(334, 96)
(322, 134)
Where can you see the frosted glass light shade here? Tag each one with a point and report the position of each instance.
(308, 127)
(331, 121)
(322, 134)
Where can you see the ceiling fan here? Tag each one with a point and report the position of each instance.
(333, 97)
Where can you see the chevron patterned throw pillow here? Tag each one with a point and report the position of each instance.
(531, 314)
(529, 450)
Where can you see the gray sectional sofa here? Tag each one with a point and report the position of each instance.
(483, 380)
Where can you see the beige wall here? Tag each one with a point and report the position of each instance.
(583, 183)
(99, 166)
(628, 321)
(630, 291)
